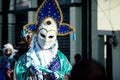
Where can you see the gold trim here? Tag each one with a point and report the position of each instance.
(71, 27)
(61, 15)
(25, 27)
(61, 19)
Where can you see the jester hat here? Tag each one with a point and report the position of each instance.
(50, 8)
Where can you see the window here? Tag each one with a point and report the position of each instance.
(64, 1)
(22, 4)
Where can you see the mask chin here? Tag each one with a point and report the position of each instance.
(45, 47)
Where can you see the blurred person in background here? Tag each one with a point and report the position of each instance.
(88, 70)
(77, 58)
(7, 62)
(24, 44)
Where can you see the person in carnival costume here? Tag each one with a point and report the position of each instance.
(7, 62)
(44, 61)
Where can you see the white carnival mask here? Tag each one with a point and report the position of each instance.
(47, 33)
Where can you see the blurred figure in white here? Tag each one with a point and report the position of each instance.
(7, 62)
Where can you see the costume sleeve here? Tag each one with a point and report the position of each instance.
(65, 64)
(21, 71)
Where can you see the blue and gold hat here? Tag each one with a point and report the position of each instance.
(50, 8)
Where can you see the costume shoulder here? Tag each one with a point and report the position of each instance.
(65, 64)
(21, 68)
(61, 54)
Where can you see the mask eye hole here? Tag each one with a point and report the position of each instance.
(42, 35)
(51, 37)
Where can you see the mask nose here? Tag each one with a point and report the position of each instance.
(46, 39)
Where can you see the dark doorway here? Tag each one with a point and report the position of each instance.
(21, 20)
(5, 8)
(109, 59)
